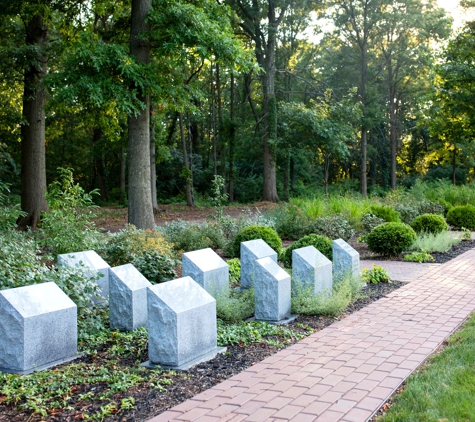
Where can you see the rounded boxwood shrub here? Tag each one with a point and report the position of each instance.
(462, 216)
(322, 243)
(429, 223)
(391, 238)
(265, 233)
(386, 212)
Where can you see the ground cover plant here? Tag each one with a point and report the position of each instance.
(443, 389)
(430, 242)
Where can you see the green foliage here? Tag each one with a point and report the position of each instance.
(322, 243)
(407, 212)
(420, 257)
(155, 267)
(333, 227)
(462, 216)
(369, 221)
(433, 207)
(234, 265)
(434, 242)
(386, 212)
(291, 222)
(267, 234)
(235, 306)
(8, 212)
(375, 275)
(391, 239)
(430, 223)
(465, 234)
(345, 291)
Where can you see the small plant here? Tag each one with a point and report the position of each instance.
(375, 275)
(235, 306)
(369, 221)
(420, 257)
(429, 223)
(8, 212)
(234, 271)
(322, 243)
(431, 207)
(333, 227)
(407, 212)
(386, 212)
(462, 216)
(267, 234)
(465, 234)
(218, 197)
(439, 242)
(156, 267)
(290, 221)
(391, 239)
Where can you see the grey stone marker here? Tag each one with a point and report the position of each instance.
(251, 251)
(207, 268)
(38, 328)
(92, 260)
(272, 291)
(182, 328)
(311, 269)
(127, 298)
(345, 259)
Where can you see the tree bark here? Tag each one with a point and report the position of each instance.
(232, 134)
(122, 174)
(100, 181)
(153, 165)
(33, 161)
(188, 174)
(140, 196)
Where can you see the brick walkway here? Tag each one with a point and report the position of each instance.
(348, 370)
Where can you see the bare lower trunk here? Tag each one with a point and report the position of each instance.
(122, 175)
(99, 176)
(232, 132)
(186, 167)
(140, 196)
(33, 162)
(153, 168)
(363, 181)
(454, 166)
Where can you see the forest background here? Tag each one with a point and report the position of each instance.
(147, 101)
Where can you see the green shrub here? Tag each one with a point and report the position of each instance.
(375, 275)
(369, 221)
(386, 212)
(420, 257)
(407, 212)
(267, 234)
(290, 222)
(8, 212)
(322, 243)
(431, 207)
(434, 242)
(235, 306)
(429, 223)
(155, 267)
(462, 216)
(334, 227)
(391, 238)
(234, 271)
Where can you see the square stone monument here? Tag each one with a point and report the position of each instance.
(127, 298)
(345, 259)
(272, 291)
(38, 328)
(93, 261)
(182, 328)
(251, 251)
(207, 268)
(311, 269)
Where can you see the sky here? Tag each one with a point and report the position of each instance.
(452, 6)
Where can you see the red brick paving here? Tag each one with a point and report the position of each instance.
(346, 371)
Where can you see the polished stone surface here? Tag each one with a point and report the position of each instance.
(207, 268)
(127, 298)
(345, 260)
(251, 251)
(272, 291)
(311, 270)
(38, 328)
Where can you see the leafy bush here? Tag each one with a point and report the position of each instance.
(155, 267)
(386, 212)
(420, 257)
(462, 216)
(465, 234)
(407, 212)
(370, 221)
(234, 271)
(131, 243)
(431, 207)
(375, 275)
(429, 223)
(334, 227)
(391, 238)
(267, 234)
(434, 242)
(235, 306)
(8, 212)
(291, 222)
(322, 243)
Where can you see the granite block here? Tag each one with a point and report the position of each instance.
(127, 298)
(181, 322)
(93, 261)
(38, 328)
(251, 251)
(207, 268)
(272, 291)
(311, 270)
(345, 260)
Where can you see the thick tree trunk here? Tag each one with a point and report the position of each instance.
(364, 147)
(364, 131)
(33, 162)
(140, 196)
(188, 173)
(232, 134)
(122, 175)
(153, 165)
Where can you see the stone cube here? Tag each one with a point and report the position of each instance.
(93, 261)
(38, 328)
(207, 268)
(127, 298)
(345, 260)
(251, 251)
(311, 269)
(272, 291)
(182, 325)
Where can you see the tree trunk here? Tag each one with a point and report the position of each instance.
(100, 181)
(454, 166)
(153, 165)
(33, 161)
(186, 166)
(232, 133)
(122, 175)
(392, 122)
(140, 196)
(364, 131)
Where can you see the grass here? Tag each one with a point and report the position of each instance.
(440, 242)
(444, 389)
